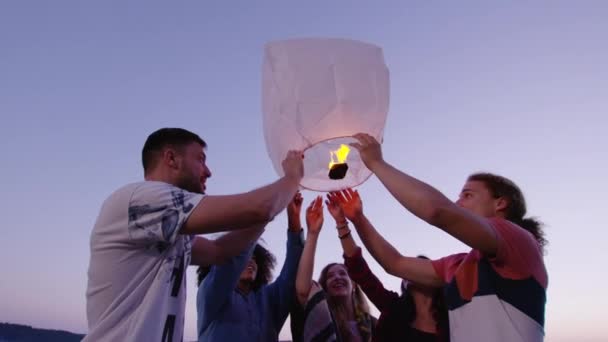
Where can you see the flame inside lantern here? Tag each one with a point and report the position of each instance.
(338, 156)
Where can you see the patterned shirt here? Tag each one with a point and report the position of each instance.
(137, 272)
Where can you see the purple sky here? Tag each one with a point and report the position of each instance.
(518, 89)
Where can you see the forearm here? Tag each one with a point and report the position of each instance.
(240, 211)
(417, 270)
(292, 258)
(276, 196)
(419, 198)
(306, 267)
(226, 247)
(235, 242)
(282, 289)
(380, 249)
(294, 223)
(349, 246)
(433, 207)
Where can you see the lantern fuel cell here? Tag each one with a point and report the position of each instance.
(338, 171)
(316, 94)
(337, 165)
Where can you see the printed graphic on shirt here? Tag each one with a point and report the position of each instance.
(158, 223)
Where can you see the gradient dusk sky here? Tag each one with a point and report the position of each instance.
(513, 87)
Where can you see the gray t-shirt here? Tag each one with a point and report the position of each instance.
(137, 272)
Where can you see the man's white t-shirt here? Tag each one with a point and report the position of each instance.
(137, 272)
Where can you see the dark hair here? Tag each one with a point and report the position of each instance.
(438, 307)
(516, 208)
(265, 260)
(162, 138)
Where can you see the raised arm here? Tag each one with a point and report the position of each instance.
(206, 252)
(216, 289)
(426, 202)
(349, 246)
(356, 266)
(418, 270)
(216, 213)
(314, 222)
(282, 289)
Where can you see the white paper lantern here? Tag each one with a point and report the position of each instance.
(316, 94)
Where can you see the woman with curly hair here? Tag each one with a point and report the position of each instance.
(236, 300)
(334, 309)
(419, 314)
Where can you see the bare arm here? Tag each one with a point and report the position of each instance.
(349, 246)
(388, 257)
(420, 271)
(314, 220)
(215, 213)
(207, 252)
(426, 202)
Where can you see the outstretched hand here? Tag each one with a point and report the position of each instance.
(349, 201)
(314, 216)
(293, 165)
(369, 149)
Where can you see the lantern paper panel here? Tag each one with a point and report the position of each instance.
(316, 94)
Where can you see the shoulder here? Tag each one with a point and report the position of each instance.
(508, 230)
(124, 192)
(153, 193)
(447, 266)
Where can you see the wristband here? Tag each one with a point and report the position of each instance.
(342, 226)
(343, 236)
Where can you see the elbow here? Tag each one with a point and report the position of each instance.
(264, 213)
(258, 213)
(301, 293)
(391, 267)
(301, 296)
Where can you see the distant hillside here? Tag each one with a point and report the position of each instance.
(23, 333)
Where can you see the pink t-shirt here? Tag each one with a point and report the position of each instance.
(500, 298)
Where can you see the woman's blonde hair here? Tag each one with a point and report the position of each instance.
(360, 306)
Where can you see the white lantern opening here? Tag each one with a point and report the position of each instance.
(316, 94)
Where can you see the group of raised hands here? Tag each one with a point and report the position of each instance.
(342, 205)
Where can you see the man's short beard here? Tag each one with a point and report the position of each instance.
(196, 188)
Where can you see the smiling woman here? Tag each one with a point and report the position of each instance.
(347, 301)
(335, 307)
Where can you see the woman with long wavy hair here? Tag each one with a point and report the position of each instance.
(334, 309)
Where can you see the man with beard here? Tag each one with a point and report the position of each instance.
(144, 237)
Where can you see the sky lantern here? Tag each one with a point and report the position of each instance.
(316, 94)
